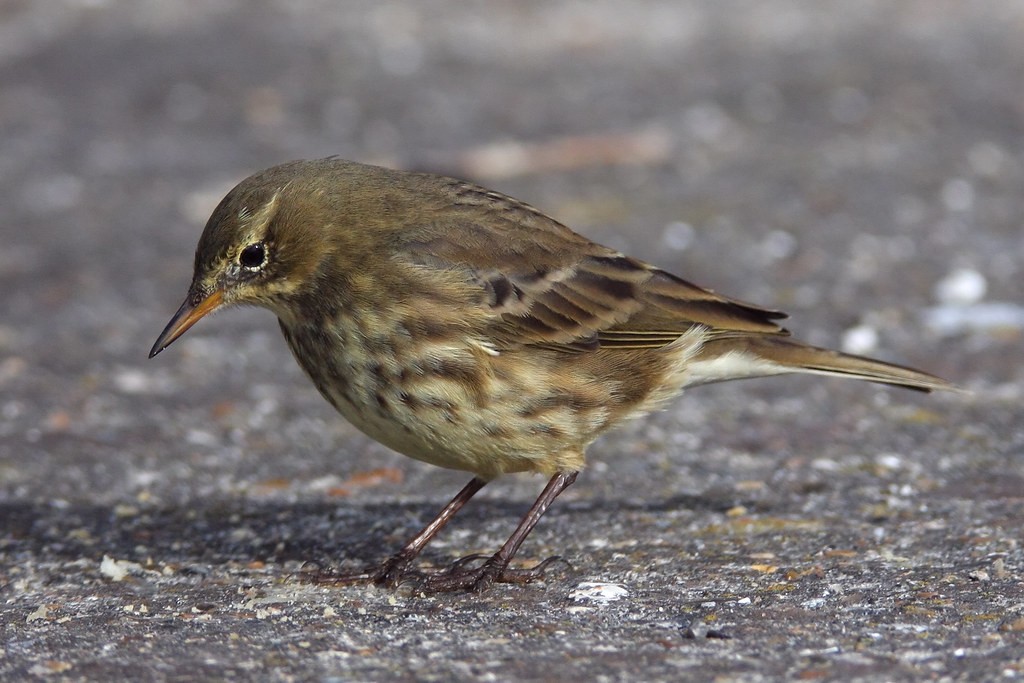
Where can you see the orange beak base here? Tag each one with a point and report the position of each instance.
(187, 316)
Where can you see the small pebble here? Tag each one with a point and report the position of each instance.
(962, 287)
(117, 570)
(861, 340)
(603, 593)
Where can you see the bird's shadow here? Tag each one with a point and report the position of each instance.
(241, 531)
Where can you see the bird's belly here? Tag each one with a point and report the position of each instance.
(458, 407)
(427, 436)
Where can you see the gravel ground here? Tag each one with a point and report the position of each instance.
(859, 165)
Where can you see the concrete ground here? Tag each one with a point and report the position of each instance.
(860, 165)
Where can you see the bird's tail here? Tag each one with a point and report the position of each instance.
(771, 354)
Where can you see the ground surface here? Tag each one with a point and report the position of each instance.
(860, 165)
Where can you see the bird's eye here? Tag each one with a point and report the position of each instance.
(253, 256)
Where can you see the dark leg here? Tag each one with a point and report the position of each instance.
(496, 568)
(390, 573)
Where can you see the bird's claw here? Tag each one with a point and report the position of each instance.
(459, 575)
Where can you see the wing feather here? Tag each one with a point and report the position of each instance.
(556, 289)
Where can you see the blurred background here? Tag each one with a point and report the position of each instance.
(859, 165)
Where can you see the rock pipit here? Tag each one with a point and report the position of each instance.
(468, 330)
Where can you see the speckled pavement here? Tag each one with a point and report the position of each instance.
(859, 165)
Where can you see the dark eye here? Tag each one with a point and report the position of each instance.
(253, 256)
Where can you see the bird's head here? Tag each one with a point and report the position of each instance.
(262, 246)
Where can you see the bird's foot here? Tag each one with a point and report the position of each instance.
(391, 573)
(460, 575)
(311, 573)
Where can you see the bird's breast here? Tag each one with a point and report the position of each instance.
(453, 401)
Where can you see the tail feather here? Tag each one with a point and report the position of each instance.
(771, 355)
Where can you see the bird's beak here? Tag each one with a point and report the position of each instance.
(188, 315)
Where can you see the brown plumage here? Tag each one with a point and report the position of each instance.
(466, 329)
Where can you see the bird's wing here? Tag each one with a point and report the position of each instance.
(613, 301)
(549, 286)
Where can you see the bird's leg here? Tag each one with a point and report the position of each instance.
(391, 572)
(496, 568)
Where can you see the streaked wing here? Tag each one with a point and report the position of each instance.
(617, 302)
(549, 286)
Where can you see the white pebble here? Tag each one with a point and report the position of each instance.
(117, 570)
(889, 461)
(132, 381)
(860, 340)
(961, 287)
(603, 593)
(778, 244)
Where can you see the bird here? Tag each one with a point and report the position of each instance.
(467, 329)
